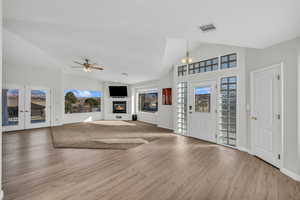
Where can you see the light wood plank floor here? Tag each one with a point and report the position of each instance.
(176, 168)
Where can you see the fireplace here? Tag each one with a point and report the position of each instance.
(119, 106)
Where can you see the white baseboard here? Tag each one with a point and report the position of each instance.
(291, 174)
(166, 127)
(243, 149)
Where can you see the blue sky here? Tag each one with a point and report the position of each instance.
(203, 90)
(38, 92)
(84, 93)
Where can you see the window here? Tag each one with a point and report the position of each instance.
(202, 99)
(10, 107)
(181, 108)
(228, 61)
(181, 70)
(38, 106)
(204, 66)
(148, 102)
(227, 122)
(82, 101)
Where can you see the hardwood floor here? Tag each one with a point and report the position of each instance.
(175, 168)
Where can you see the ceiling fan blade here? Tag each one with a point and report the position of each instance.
(78, 63)
(76, 67)
(98, 68)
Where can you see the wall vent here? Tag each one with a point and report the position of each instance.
(207, 27)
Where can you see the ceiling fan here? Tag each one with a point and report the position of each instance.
(87, 66)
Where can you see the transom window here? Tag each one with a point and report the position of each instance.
(204, 66)
(181, 70)
(228, 61)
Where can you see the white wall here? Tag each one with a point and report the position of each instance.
(144, 87)
(287, 54)
(164, 117)
(82, 83)
(26, 65)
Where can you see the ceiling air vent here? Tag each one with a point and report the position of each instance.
(207, 27)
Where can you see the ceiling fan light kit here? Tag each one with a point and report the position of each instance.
(87, 66)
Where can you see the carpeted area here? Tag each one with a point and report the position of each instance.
(107, 134)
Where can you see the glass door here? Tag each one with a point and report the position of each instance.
(12, 108)
(37, 107)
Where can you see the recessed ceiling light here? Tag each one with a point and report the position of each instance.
(207, 27)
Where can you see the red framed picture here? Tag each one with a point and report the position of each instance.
(167, 96)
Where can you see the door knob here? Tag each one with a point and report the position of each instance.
(254, 118)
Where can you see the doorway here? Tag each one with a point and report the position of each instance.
(25, 108)
(202, 110)
(266, 113)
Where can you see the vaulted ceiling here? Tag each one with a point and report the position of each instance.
(143, 38)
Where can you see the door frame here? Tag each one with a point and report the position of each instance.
(21, 116)
(27, 105)
(191, 85)
(282, 114)
(24, 116)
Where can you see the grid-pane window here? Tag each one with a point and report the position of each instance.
(228, 61)
(148, 102)
(227, 108)
(181, 108)
(204, 66)
(181, 70)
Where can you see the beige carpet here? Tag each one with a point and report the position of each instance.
(107, 134)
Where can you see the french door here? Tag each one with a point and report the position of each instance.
(202, 107)
(25, 108)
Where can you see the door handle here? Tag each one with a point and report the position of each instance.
(26, 111)
(21, 110)
(254, 118)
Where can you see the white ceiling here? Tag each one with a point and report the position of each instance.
(137, 36)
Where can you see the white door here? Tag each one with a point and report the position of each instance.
(25, 108)
(37, 107)
(265, 114)
(12, 108)
(202, 106)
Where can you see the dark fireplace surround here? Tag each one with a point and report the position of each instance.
(119, 107)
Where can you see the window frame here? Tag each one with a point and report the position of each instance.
(147, 92)
(182, 70)
(203, 66)
(237, 99)
(229, 61)
(78, 113)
